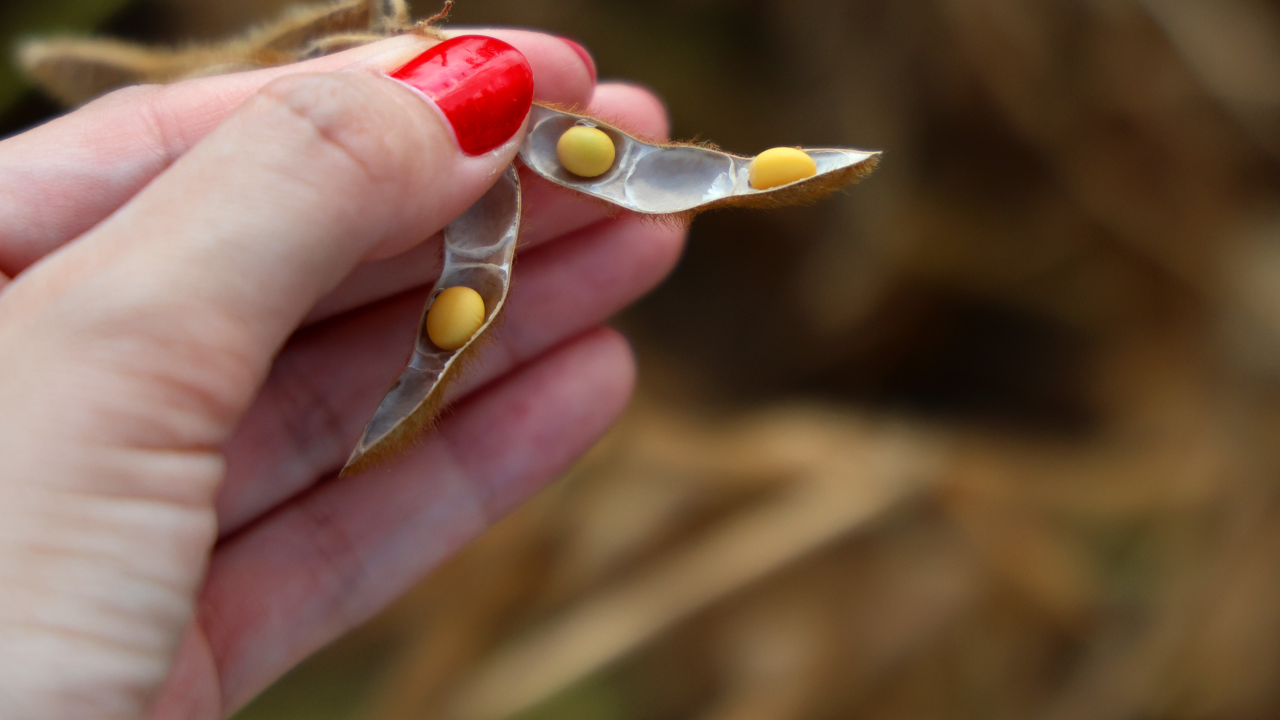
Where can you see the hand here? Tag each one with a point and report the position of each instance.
(212, 285)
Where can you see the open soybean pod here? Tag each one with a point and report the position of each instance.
(645, 177)
(479, 247)
(657, 179)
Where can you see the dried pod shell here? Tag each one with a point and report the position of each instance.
(479, 248)
(656, 179)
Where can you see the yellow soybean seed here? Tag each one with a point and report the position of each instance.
(779, 166)
(456, 315)
(585, 151)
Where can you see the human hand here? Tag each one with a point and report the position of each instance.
(212, 285)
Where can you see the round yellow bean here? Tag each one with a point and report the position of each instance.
(779, 166)
(585, 151)
(456, 315)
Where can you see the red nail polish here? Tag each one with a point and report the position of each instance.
(586, 57)
(481, 84)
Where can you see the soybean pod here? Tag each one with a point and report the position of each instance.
(674, 179)
(596, 159)
(479, 247)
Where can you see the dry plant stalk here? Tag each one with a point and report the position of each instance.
(76, 70)
(819, 506)
(798, 481)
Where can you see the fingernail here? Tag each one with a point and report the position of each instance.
(586, 57)
(483, 86)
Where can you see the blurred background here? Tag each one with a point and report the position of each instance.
(992, 435)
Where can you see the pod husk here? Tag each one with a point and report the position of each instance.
(679, 179)
(479, 249)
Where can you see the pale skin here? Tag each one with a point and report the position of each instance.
(202, 297)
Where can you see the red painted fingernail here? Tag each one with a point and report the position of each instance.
(586, 57)
(483, 86)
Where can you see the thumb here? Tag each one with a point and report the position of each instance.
(207, 271)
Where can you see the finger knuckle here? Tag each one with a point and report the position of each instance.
(345, 116)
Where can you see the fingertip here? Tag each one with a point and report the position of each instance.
(655, 248)
(617, 354)
(560, 74)
(587, 60)
(481, 85)
(607, 375)
(636, 107)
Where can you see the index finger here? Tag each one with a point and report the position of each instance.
(60, 179)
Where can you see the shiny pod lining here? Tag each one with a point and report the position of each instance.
(656, 179)
(479, 247)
